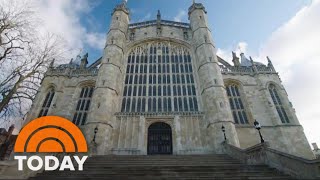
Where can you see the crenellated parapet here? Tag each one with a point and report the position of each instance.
(160, 114)
(122, 7)
(72, 69)
(162, 22)
(72, 72)
(247, 70)
(195, 6)
(246, 66)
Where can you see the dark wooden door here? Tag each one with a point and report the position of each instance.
(159, 139)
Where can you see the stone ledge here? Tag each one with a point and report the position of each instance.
(126, 151)
(157, 114)
(286, 163)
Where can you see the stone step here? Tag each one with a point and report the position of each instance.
(165, 167)
(171, 177)
(122, 160)
(159, 160)
(162, 157)
(176, 169)
(157, 163)
(166, 173)
(224, 173)
(166, 177)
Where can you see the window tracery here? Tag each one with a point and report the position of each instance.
(278, 104)
(83, 105)
(163, 67)
(47, 103)
(236, 104)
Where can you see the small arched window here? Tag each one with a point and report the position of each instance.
(236, 105)
(47, 103)
(83, 105)
(278, 104)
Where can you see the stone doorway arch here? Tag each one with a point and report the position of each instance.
(159, 138)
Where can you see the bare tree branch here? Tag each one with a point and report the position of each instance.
(25, 55)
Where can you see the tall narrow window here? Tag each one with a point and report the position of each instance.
(237, 108)
(47, 103)
(279, 106)
(83, 105)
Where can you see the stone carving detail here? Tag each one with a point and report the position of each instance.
(72, 72)
(249, 70)
(162, 22)
(159, 114)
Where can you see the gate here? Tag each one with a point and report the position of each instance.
(159, 139)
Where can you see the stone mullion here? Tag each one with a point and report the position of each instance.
(234, 107)
(157, 79)
(147, 80)
(133, 65)
(171, 77)
(138, 82)
(277, 105)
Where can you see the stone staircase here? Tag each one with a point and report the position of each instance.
(166, 167)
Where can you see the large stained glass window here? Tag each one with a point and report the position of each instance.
(159, 78)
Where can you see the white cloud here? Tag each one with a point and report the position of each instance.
(225, 54)
(62, 17)
(96, 40)
(180, 16)
(294, 50)
(241, 47)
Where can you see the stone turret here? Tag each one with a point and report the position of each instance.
(270, 64)
(51, 63)
(159, 29)
(84, 61)
(235, 59)
(159, 16)
(109, 81)
(215, 102)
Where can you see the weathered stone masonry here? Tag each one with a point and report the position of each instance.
(166, 59)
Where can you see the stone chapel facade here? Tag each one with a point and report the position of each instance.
(160, 88)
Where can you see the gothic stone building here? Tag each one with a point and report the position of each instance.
(160, 88)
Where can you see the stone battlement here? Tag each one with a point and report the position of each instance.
(75, 72)
(162, 22)
(247, 70)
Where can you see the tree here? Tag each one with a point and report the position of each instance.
(25, 55)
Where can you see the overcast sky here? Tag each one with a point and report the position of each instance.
(286, 30)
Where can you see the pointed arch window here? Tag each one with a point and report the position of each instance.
(152, 69)
(278, 104)
(236, 104)
(47, 103)
(83, 105)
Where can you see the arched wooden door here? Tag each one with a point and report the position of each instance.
(159, 139)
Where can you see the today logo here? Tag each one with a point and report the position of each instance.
(50, 134)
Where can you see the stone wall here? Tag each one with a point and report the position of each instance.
(260, 107)
(67, 93)
(130, 134)
(192, 134)
(172, 32)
